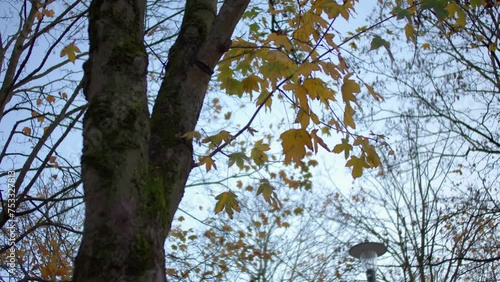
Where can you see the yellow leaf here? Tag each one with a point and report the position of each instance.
(50, 99)
(369, 151)
(250, 84)
(40, 118)
(348, 113)
(343, 147)
(454, 9)
(227, 201)
(64, 95)
(426, 46)
(265, 98)
(349, 88)
(280, 40)
(357, 165)
(330, 69)
(239, 159)
(208, 162)
(27, 131)
(302, 118)
(70, 51)
(317, 140)
(258, 152)
(374, 94)
(300, 93)
(217, 139)
(38, 102)
(266, 190)
(307, 68)
(294, 142)
(34, 114)
(191, 135)
(410, 32)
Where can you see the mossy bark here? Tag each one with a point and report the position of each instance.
(134, 166)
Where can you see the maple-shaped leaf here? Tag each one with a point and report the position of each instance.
(217, 139)
(410, 32)
(318, 141)
(300, 92)
(453, 9)
(258, 152)
(378, 42)
(70, 50)
(266, 190)
(302, 118)
(239, 159)
(307, 68)
(227, 201)
(357, 165)
(348, 113)
(280, 40)
(372, 157)
(231, 85)
(349, 89)
(294, 142)
(208, 162)
(374, 94)
(250, 84)
(343, 147)
(264, 98)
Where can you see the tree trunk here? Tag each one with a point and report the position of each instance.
(135, 167)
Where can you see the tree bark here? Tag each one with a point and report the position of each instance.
(134, 166)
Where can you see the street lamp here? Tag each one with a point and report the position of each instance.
(368, 252)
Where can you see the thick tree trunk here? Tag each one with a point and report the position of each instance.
(135, 168)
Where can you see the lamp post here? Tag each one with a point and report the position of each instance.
(368, 252)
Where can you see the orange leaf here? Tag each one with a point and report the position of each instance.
(27, 131)
(50, 99)
(171, 271)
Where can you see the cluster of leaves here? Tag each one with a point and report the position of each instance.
(290, 54)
